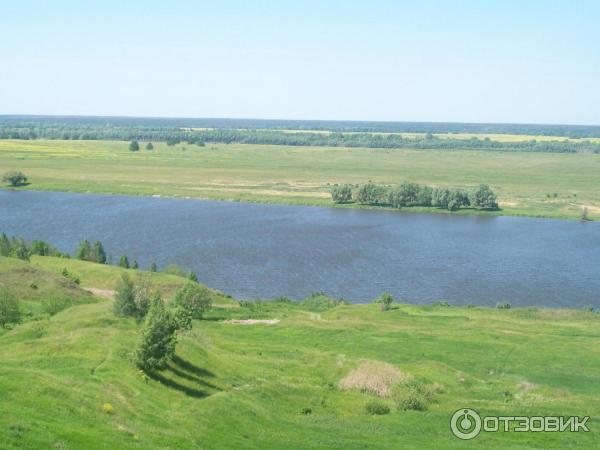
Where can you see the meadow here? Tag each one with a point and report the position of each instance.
(529, 184)
(279, 385)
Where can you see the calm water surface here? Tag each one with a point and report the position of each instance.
(264, 251)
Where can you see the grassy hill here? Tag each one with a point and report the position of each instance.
(279, 385)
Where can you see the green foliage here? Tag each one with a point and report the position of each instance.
(149, 146)
(87, 252)
(10, 313)
(483, 197)
(503, 305)
(376, 408)
(342, 193)
(134, 146)
(14, 178)
(371, 194)
(70, 276)
(385, 301)
(135, 264)
(153, 267)
(157, 338)
(410, 194)
(54, 305)
(319, 301)
(174, 269)
(193, 277)
(124, 262)
(131, 300)
(193, 298)
(457, 199)
(412, 394)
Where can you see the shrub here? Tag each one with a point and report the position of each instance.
(134, 146)
(124, 262)
(411, 402)
(385, 301)
(10, 313)
(149, 146)
(107, 408)
(14, 178)
(503, 305)
(52, 306)
(174, 269)
(306, 411)
(193, 298)
(371, 194)
(342, 193)
(375, 408)
(412, 394)
(319, 301)
(131, 300)
(410, 194)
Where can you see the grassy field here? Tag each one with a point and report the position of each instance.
(278, 386)
(532, 184)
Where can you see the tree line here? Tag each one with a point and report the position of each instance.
(414, 194)
(174, 135)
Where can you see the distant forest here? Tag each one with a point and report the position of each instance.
(255, 131)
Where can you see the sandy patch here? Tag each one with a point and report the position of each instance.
(253, 321)
(373, 376)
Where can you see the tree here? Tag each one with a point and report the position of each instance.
(124, 304)
(10, 312)
(409, 194)
(124, 262)
(193, 277)
(14, 178)
(135, 264)
(439, 197)
(457, 199)
(98, 253)
(153, 267)
(134, 146)
(385, 301)
(193, 298)
(157, 337)
(371, 194)
(342, 193)
(483, 197)
(84, 251)
(149, 146)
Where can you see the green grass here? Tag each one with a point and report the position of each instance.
(246, 386)
(525, 182)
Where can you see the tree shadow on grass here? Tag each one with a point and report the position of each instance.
(187, 390)
(188, 371)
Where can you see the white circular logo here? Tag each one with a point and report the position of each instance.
(465, 423)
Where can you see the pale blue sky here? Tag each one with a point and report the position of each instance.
(471, 61)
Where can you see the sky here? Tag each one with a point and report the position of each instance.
(442, 61)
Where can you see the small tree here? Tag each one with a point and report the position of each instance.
(84, 251)
(157, 338)
(193, 277)
(385, 301)
(98, 253)
(153, 267)
(14, 178)
(124, 262)
(342, 193)
(193, 298)
(10, 312)
(134, 146)
(149, 146)
(124, 304)
(457, 199)
(135, 264)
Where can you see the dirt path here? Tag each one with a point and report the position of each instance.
(253, 321)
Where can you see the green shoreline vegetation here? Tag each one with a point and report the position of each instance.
(553, 185)
(101, 356)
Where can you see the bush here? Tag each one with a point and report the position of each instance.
(14, 178)
(174, 269)
(319, 301)
(131, 300)
(342, 193)
(107, 408)
(412, 395)
(193, 298)
(375, 408)
(10, 313)
(503, 305)
(385, 301)
(53, 306)
(410, 194)
(149, 146)
(134, 146)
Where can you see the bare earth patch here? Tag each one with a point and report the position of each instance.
(253, 321)
(373, 376)
(106, 293)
